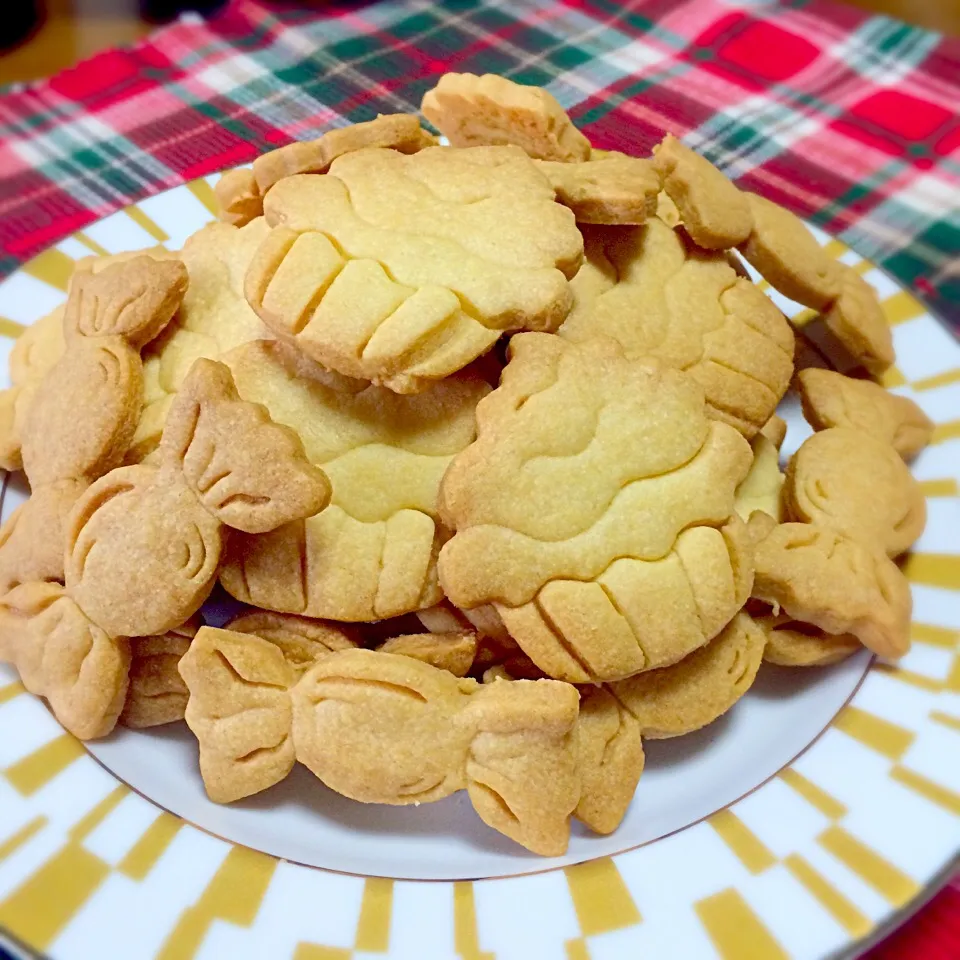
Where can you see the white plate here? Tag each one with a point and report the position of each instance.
(811, 816)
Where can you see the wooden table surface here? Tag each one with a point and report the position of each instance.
(76, 29)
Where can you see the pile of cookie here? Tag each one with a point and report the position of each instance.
(484, 436)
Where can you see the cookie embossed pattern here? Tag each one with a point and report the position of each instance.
(528, 491)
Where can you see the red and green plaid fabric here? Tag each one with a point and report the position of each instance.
(850, 120)
(847, 119)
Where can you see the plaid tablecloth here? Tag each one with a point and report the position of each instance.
(849, 120)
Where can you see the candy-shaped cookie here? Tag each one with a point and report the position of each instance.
(853, 483)
(475, 111)
(403, 269)
(832, 400)
(82, 415)
(857, 322)
(240, 192)
(712, 210)
(371, 553)
(156, 693)
(612, 189)
(658, 296)
(382, 728)
(822, 577)
(791, 643)
(143, 545)
(595, 510)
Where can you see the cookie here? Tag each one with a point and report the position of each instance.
(371, 553)
(760, 488)
(108, 317)
(597, 489)
(301, 640)
(213, 318)
(855, 320)
(712, 210)
(475, 111)
(791, 643)
(240, 192)
(382, 728)
(615, 189)
(859, 486)
(453, 652)
(775, 430)
(822, 577)
(679, 699)
(611, 759)
(156, 693)
(657, 296)
(832, 400)
(788, 257)
(403, 269)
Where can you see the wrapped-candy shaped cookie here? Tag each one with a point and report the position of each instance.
(382, 728)
(595, 511)
(144, 543)
(821, 576)
(82, 415)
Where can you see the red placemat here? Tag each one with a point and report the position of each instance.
(849, 120)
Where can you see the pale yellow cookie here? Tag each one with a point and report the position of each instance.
(760, 488)
(788, 256)
(596, 511)
(156, 693)
(822, 577)
(372, 553)
(712, 210)
(832, 400)
(775, 430)
(475, 111)
(213, 318)
(615, 189)
(791, 643)
(677, 700)
(856, 321)
(656, 296)
(403, 269)
(858, 485)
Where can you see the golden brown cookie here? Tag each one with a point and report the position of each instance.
(857, 485)
(760, 488)
(615, 189)
(791, 643)
(657, 296)
(700, 688)
(239, 197)
(372, 552)
(775, 430)
(611, 759)
(712, 210)
(156, 693)
(382, 728)
(788, 257)
(403, 269)
(581, 579)
(824, 578)
(475, 111)
(83, 413)
(453, 652)
(302, 640)
(833, 400)
(856, 320)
